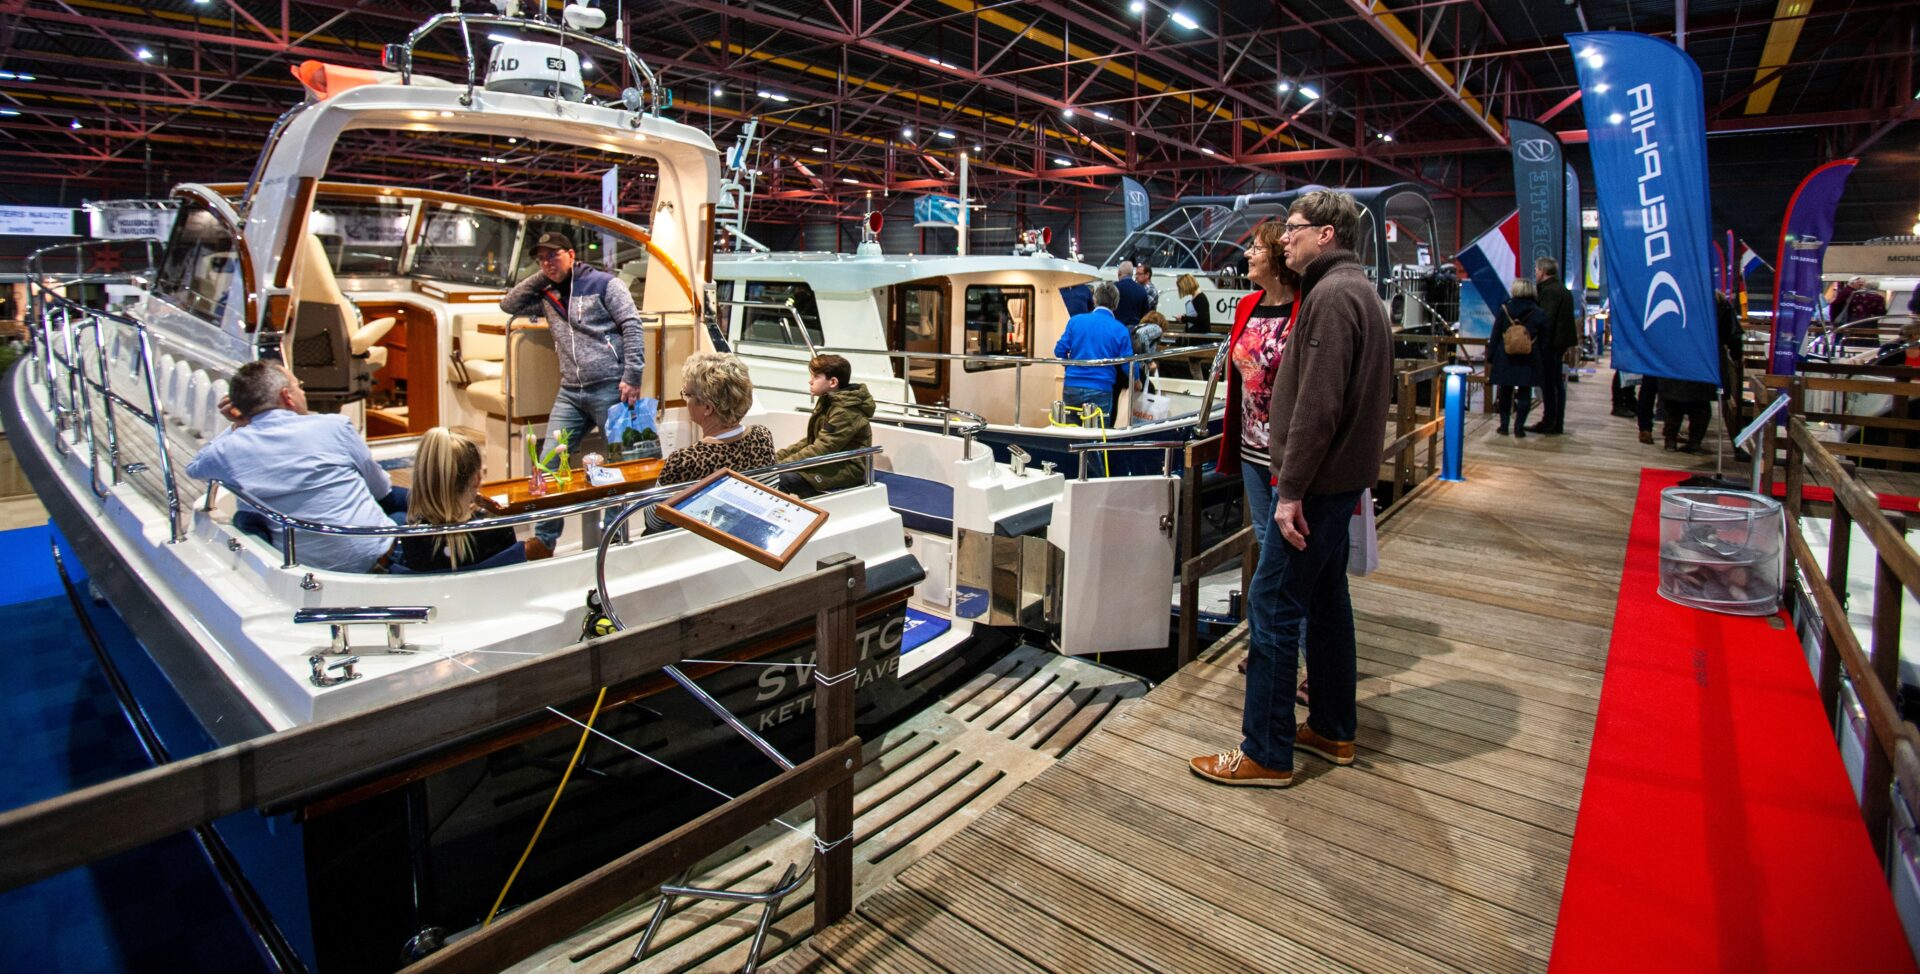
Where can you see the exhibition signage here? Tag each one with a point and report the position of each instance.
(1540, 190)
(36, 221)
(1139, 207)
(1646, 130)
(1803, 248)
(1570, 265)
(130, 223)
(936, 211)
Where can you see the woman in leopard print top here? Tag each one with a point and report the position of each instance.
(718, 392)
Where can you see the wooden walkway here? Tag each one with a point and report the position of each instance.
(1482, 643)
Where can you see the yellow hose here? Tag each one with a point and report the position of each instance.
(585, 732)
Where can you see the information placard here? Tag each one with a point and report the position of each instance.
(745, 515)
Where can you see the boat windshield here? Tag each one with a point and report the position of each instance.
(466, 245)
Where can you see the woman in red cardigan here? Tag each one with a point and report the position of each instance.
(1258, 340)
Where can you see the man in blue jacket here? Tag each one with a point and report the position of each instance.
(1132, 301)
(1094, 335)
(596, 335)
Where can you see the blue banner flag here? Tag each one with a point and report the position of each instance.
(1803, 249)
(1139, 207)
(1647, 134)
(1540, 190)
(936, 211)
(1572, 266)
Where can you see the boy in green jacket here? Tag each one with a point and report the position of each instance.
(840, 422)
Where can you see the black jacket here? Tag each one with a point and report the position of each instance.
(1563, 332)
(1506, 370)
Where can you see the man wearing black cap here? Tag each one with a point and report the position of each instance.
(596, 335)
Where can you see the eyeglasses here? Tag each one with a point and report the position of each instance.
(1289, 229)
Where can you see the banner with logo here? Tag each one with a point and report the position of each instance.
(36, 221)
(1647, 132)
(1719, 267)
(129, 223)
(1803, 248)
(936, 211)
(1139, 206)
(1540, 190)
(1571, 273)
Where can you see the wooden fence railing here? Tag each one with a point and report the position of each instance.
(1893, 751)
(92, 823)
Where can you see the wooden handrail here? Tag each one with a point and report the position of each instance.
(1433, 427)
(1861, 504)
(70, 830)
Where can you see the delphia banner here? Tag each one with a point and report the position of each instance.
(1803, 248)
(1540, 190)
(1646, 129)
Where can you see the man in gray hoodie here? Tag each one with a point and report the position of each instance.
(596, 334)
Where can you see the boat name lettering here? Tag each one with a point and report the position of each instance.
(802, 705)
(775, 680)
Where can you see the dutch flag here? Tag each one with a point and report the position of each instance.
(1491, 260)
(1750, 261)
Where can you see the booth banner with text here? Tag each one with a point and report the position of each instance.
(1570, 265)
(36, 221)
(1139, 207)
(1804, 235)
(1540, 190)
(936, 211)
(129, 223)
(1647, 133)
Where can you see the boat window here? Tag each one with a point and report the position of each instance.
(362, 236)
(774, 326)
(466, 246)
(196, 271)
(999, 322)
(610, 252)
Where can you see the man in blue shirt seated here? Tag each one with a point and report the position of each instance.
(315, 468)
(1094, 335)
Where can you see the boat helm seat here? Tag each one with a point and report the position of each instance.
(534, 370)
(330, 349)
(479, 352)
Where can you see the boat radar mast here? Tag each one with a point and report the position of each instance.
(737, 184)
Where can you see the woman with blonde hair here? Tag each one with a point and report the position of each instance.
(1195, 315)
(718, 391)
(446, 489)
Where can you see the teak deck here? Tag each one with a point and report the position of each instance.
(1482, 643)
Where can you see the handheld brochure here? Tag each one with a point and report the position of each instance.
(745, 515)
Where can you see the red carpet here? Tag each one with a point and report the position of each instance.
(1888, 502)
(1717, 831)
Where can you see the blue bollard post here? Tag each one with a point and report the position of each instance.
(1456, 431)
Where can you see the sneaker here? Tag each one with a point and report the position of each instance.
(1339, 752)
(1235, 768)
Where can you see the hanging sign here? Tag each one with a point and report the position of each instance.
(1139, 206)
(36, 221)
(128, 223)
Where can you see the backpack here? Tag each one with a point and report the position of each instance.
(1516, 339)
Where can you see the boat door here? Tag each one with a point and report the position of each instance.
(919, 320)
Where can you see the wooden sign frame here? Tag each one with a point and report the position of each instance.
(670, 511)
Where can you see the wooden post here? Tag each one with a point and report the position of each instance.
(1839, 543)
(1796, 459)
(835, 655)
(1876, 801)
(1402, 465)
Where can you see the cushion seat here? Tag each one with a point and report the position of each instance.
(923, 505)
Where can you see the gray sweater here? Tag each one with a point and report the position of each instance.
(597, 336)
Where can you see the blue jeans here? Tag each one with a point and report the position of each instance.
(1083, 396)
(577, 411)
(1258, 478)
(1300, 598)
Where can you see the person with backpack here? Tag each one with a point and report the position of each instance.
(1518, 355)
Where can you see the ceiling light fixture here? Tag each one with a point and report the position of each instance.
(1066, 113)
(718, 91)
(1309, 94)
(1386, 136)
(1103, 116)
(819, 148)
(1284, 86)
(774, 95)
(15, 76)
(850, 182)
(907, 133)
(1137, 7)
(1206, 150)
(586, 64)
(1062, 161)
(943, 133)
(75, 125)
(143, 54)
(1180, 17)
(9, 111)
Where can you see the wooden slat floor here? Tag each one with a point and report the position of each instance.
(1482, 640)
(921, 782)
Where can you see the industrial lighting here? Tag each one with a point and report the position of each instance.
(774, 95)
(907, 133)
(513, 140)
(1137, 7)
(143, 54)
(943, 133)
(819, 148)
(1285, 86)
(586, 64)
(9, 111)
(850, 182)
(1066, 113)
(718, 91)
(1309, 94)
(1386, 136)
(1206, 150)
(1062, 161)
(1180, 17)
(1103, 116)
(15, 76)
(976, 150)
(75, 124)
(496, 160)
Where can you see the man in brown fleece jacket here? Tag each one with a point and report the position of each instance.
(1330, 394)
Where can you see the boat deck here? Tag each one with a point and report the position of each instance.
(1482, 640)
(920, 783)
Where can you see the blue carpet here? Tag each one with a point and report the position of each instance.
(922, 627)
(156, 908)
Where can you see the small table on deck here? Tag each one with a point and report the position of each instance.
(512, 496)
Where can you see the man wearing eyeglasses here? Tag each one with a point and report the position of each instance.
(1327, 425)
(596, 335)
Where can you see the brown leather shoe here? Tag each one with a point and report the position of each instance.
(1646, 436)
(1235, 768)
(1339, 752)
